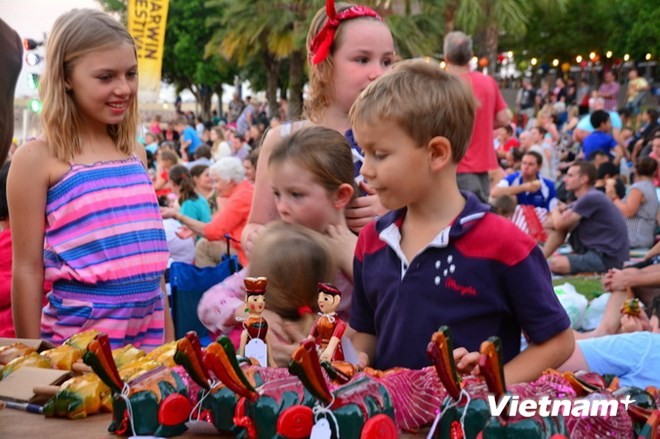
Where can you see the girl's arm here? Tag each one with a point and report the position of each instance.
(222, 302)
(160, 179)
(630, 205)
(27, 187)
(343, 243)
(552, 130)
(193, 224)
(263, 208)
(656, 248)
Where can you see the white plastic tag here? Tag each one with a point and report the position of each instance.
(256, 348)
(321, 430)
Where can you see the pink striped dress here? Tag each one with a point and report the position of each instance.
(105, 251)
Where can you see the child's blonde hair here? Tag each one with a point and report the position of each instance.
(294, 259)
(423, 100)
(320, 75)
(323, 152)
(75, 34)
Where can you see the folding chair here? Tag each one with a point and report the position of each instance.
(188, 283)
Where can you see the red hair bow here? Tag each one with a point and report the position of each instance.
(320, 46)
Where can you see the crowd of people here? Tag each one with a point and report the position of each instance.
(410, 188)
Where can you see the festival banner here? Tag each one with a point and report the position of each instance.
(146, 23)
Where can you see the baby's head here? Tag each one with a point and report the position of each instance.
(311, 173)
(294, 259)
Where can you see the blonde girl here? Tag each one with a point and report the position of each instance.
(84, 213)
(345, 54)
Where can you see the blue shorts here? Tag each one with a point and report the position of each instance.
(586, 262)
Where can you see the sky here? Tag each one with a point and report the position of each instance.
(31, 19)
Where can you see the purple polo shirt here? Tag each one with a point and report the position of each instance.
(481, 276)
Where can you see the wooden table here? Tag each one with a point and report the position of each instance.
(15, 424)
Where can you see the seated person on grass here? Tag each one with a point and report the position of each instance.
(633, 356)
(609, 172)
(528, 186)
(598, 233)
(644, 283)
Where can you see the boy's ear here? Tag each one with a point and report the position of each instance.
(440, 153)
(343, 195)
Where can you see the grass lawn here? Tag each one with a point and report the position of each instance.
(590, 287)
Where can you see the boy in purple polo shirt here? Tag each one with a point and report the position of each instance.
(440, 257)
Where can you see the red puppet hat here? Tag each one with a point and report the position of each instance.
(255, 285)
(328, 288)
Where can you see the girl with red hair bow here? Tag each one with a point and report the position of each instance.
(349, 47)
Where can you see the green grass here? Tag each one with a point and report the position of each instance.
(589, 287)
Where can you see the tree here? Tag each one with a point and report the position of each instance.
(414, 25)
(185, 63)
(491, 19)
(578, 30)
(268, 31)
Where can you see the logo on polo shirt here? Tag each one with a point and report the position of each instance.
(465, 291)
(445, 270)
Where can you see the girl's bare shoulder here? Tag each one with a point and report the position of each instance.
(35, 161)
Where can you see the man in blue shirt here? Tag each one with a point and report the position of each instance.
(528, 185)
(189, 138)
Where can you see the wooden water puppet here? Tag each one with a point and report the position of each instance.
(262, 394)
(255, 341)
(328, 329)
(491, 367)
(464, 412)
(217, 402)
(360, 409)
(155, 403)
(86, 394)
